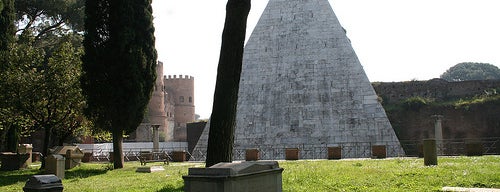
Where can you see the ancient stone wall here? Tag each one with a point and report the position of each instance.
(436, 89)
(476, 120)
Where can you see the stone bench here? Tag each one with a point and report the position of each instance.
(154, 157)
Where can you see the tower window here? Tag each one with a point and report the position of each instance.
(190, 99)
(181, 99)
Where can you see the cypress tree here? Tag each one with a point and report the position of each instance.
(7, 28)
(119, 65)
(7, 32)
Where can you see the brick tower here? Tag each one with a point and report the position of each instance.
(180, 91)
(302, 86)
(156, 114)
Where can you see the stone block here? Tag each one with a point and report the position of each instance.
(249, 176)
(147, 169)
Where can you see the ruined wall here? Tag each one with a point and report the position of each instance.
(438, 89)
(471, 121)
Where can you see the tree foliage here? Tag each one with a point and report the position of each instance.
(471, 71)
(223, 118)
(45, 95)
(119, 65)
(42, 18)
(7, 28)
(40, 87)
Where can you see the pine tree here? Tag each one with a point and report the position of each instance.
(119, 65)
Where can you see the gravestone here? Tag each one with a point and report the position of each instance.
(55, 164)
(303, 85)
(27, 149)
(430, 152)
(43, 183)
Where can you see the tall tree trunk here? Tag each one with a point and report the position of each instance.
(117, 148)
(46, 142)
(223, 118)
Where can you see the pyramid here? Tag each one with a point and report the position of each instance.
(302, 86)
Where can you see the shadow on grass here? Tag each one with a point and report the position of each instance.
(171, 189)
(12, 177)
(83, 173)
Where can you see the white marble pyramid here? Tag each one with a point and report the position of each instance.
(302, 86)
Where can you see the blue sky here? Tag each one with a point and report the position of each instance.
(395, 40)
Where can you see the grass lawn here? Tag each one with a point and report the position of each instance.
(399, 174)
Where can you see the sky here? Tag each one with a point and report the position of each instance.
(395, 40)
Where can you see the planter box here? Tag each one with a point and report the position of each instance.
(178, 156)
(334, 152)
(474, 149)
(292, 154)
(379, 151)
(252, 155)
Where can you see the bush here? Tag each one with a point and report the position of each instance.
(414, 103)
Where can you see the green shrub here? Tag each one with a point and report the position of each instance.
(415, 103)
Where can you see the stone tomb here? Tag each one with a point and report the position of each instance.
(249, 176)
(72, 154)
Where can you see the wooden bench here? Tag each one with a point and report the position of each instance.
(156, 157)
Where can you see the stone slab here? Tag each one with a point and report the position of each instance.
(149, 169)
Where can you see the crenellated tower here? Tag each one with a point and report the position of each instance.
(180, 90)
